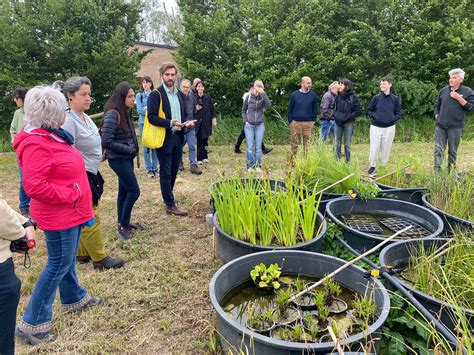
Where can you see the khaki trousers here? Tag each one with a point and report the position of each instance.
(300, 131)
(91, 242)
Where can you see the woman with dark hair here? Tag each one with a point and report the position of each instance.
(346, 109)
(206, 117)
(149, 155)
(121, 147)
(17, 124)
(87, 141)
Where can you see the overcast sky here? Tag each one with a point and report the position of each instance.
(170, 3)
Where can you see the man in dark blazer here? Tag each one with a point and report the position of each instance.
(170, 154)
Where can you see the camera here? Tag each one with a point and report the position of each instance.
(22, 245)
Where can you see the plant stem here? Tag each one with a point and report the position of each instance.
(345, 266)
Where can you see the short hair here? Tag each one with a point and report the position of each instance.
(457, 71)
(165, 66)
(186, 81)
(45, 107)
(58, 85)
(148, 79)
(305, 78)
(20, 93)
(72, 85)
(259, 84)
(387, 79)
(333, 84)
(347, 84)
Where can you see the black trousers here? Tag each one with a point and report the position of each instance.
(169, 166)
(9, 297)
(241, 139)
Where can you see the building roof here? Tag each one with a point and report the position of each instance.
(165, 46)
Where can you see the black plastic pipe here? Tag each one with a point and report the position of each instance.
(437, 324)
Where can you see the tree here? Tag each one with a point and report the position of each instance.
(231, 43)
(158, 23)
(46, 40)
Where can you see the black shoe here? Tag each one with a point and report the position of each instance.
(237, 150)
(267, 150)
(195, 170)
(34, 339)
(371, 170)
(25, 212)
(136, 226)
(83, 259)
(108, 263)
(126, 233)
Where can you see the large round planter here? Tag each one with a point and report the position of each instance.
(234, 336)
(229, 248)
(274, 185)
(364, 241)
(413, 195)
(398, 255)
(451, 223)
(327, 197)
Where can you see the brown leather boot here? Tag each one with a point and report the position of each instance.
(177, 211)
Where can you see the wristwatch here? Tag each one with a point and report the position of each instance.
(30, 223)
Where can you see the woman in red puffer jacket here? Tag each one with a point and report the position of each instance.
(55, 178)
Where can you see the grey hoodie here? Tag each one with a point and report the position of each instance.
(253, 108)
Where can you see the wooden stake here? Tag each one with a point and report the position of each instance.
(345, 266)
(334, 184)
(393, 172)
(335, 340)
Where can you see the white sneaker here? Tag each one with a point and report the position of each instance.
(258, 169)
(199, 162)
(249, 170)
(205, 161)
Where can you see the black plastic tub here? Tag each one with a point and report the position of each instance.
(398, 255)
(229, 248)
(451, 223)
(234, 336)
(413, 195)
(274, 186)
(364, 241)
(328, 197)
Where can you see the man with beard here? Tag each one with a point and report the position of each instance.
(173, 104)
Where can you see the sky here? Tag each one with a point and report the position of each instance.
(170, 3)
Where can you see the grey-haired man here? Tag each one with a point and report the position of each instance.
(452, 104)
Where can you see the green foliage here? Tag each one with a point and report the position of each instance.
(266, 277)
(44, 41)
(230, 43)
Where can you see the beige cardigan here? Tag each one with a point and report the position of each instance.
(11, 228)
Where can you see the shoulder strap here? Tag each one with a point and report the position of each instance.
(118, 117)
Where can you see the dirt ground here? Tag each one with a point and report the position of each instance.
(158, 302)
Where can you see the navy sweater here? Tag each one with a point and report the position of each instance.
(302, 106)
(384, 110)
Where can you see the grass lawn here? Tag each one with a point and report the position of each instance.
(158, 302)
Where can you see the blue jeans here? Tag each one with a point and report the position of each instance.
(9, 297)
(169, 165)
(149, 155)
(327, 127)
(254, 138)
(347, 130)
(23, 197)
(60, 272)
(190, 139)
(128, 191)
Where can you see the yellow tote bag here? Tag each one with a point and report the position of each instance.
(154, 136)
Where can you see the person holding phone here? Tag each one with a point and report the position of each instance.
(175, 122)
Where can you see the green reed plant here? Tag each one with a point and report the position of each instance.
(309, 212)
(447, 275)
(320, 166)
(285, 217)
(453, 193)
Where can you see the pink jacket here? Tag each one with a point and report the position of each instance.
(54, 177)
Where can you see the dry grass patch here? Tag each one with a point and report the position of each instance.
(158, 302)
